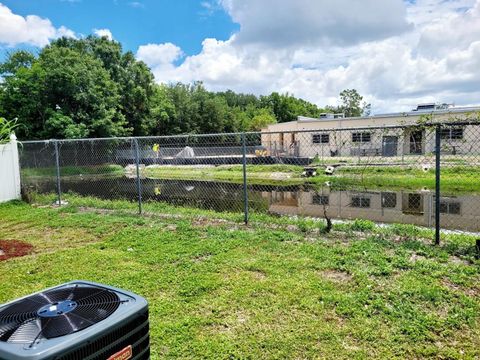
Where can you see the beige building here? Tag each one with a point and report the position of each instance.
(335, 135)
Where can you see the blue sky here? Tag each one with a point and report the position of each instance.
(133, 23)
(396, 53)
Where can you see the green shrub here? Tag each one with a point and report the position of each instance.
(6, 129)
(363, 225)
(405, 230)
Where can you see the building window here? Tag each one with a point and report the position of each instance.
(451, 134)
(320, 138)
(389, 200)
(360, 202)
(450, 207)
(413, 204)
(318, 199)
(361, 137)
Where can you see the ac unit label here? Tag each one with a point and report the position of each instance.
(123, 354)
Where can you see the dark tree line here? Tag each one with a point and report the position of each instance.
(91, 88)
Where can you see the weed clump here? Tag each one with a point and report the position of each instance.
(363, 225)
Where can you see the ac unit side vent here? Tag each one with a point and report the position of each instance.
(133, 333)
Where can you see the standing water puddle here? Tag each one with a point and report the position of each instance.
(459, 212)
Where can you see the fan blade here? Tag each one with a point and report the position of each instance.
(26, 333)
(62, 311)
(56, 295)
(19, 308)
(16, 317)
(7, 330)
(95, 312)
(87, 293)
(62, 325)
(72, 293)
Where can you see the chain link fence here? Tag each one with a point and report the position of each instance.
(426, 175)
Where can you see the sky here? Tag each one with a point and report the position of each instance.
(396, 53)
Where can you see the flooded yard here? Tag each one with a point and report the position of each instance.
(459, 211)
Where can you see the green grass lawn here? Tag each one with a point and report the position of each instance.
(278, 288)
(257, 174)
(107, 169)
(454, 179)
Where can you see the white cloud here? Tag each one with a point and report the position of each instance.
(31, 29)
(436, 60)
(158, 54)
(209, 8)
(281, 23)
(103, 33)
(160, 58)
(455, 29)
(136, 4)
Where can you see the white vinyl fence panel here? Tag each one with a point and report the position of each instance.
(9, 171)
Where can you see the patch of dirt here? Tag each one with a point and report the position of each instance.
(220, 328)
(242, 317)
(415, 257)
(197, 221)
(95, 210)
(336, 275)
(229, 322)
(257, 274)
(14, 248)
(458, 261)
(171, 227)
(474, 291)
(16, 226)
(390, 252)
(253, 272)
(333, 318)
(206, 222)
(201, 258)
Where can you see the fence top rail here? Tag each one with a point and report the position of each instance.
(185, 136)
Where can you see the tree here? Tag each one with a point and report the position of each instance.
(64, 126)
(23, 98)
(79, 86)
(90, 88)
(15, 61)
(99, 90)
(133, 78)
(286, 107)
(162, 112)
(261, 120)
(352, 104)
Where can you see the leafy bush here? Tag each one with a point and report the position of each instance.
(6, 129)
(363, 225)
(407, 230)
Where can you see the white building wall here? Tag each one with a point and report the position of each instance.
(294, 142)
(9, 171)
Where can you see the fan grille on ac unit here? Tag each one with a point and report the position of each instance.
(56, 312)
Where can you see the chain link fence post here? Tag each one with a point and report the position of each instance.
(139, 181)
(57, 168)
(437, 183)
(245, 190)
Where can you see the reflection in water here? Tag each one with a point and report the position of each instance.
(460, 212)
(457, 212)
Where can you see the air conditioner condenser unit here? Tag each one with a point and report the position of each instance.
(78, 320)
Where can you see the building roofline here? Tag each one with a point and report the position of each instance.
(370, 127)
(462, 109)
